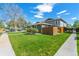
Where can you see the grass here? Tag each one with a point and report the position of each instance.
(0, 33)
(36, 45)
(78, 43)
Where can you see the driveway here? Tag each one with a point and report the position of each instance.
(5, 46)
(69, 48)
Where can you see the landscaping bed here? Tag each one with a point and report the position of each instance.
(36, 45)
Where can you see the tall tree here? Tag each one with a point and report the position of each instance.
(1, 24)
(21, 22)
(29, 24)
(13, 12)
(76, 24)
(10, 24)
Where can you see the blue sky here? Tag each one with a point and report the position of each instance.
(40, 11)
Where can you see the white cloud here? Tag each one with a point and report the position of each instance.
(38, 16)
(40, 13)
(74, 18)
(43, 8)
(58, 17)
(61, 12)
(67, 13)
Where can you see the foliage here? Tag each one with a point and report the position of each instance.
(15, 15)
(76, 24)
(1, 24)
(29, 24)
(78, 42)
(69, 26)
(20, 23)
(36, 45)
(31, 30)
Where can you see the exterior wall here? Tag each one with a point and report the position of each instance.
(62, 24)
(51, 22)
(39, 28)
(56, 26)
(50, 30)
(58, 23)
(47, 30)
(61, 29)
(55, 30)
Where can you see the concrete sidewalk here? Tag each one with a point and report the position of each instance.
(5, 46)
(69, 48)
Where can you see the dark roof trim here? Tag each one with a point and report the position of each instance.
(61, 20)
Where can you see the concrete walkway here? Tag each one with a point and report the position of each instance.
(69, 48)
(5, 46)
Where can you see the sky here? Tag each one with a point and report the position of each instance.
(36, 12)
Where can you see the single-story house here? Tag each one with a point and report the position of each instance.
(51, 26)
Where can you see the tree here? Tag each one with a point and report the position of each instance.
(69, 26)
(10, 24)
(1, 24)
(76, 24)
(31, 30)
(29, 24)
(21, 22)
(13, 12)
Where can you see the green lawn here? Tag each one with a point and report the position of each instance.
(78, 43)
(36, 45)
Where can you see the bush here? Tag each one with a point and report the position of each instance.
(31, 30)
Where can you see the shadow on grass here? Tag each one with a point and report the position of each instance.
(69, 32)
(29, 33)
(77, 38)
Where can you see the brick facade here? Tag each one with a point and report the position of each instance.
(52, 30)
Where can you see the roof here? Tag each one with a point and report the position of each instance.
(45, 22)
(40, 23)
(61, 20)
(51, 19)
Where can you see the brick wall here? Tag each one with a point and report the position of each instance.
(50, 30)
(61, 29)
(55, 30)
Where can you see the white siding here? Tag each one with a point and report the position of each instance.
(62, 24)
(43, 26)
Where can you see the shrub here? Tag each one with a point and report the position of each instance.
(31, 30)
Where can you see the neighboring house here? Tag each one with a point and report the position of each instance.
(51, 26)
(1, 30)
